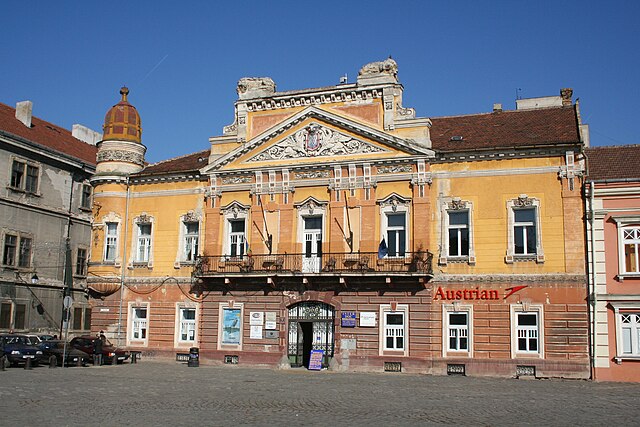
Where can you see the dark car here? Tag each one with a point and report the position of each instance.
(110, 353)
(18, 349)
(72, 356)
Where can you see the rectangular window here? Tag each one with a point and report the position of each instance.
(458, 331)
(191, 241)
(86, 196)
(631, 243)
(236, 237)
(17, 174)
(138, 323)
(187, 325)
(524, 231)
(10, 247)
(527, 332)
(630, 331)
(111, 241)
(458, 234)
(5, 315)
(31, 184)
(20, 316)
(87, 319)
(24, 256)
(396, 234)
(81, 262)
(144, 243)
(394, 330)
(77, 318)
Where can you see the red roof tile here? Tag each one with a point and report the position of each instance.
(187, 163)
(505, 129)
(47, 135)
(613, 163)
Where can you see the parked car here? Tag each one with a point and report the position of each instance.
(110, 353)
(72, 356)
(18, 348)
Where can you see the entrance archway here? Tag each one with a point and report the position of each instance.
(311, 327)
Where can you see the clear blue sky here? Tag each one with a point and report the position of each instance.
(182, 60)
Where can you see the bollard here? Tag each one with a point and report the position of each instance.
(27, 364)
(194, 357)
(53, 362)
(2, 362)
(79, 361)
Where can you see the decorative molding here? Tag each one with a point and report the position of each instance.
(236, 179)
(315, 141)
(511, 278)
(395, 169)
(405, 113)
(191, 216)
(522, 201)
(120, 156)
(393, 201)
(456, 204)
(312, 174)
(144, 218)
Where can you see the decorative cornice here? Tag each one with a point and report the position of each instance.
(120, 156)
(394, 169)
(503, 278)
(314, 174)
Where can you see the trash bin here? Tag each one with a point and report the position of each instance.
(194, 357)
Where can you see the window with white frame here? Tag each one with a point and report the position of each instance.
(396, 234)
(524, 237)
(24, 176)
(457, 329)
(526, 330)
(186, 325)
(191, 240)
(236, 237)
(394, 321)
(111, 241)
(630, 333)
(143, 246)
(139, 323)
(17, 250)
(394, 331)
(631, 249)
(458, 233)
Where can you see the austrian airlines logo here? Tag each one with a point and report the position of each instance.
(474, 294)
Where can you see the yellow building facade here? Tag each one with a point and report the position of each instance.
(336, 229)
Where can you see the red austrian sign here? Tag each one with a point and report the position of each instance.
(474, 294)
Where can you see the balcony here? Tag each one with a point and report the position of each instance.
(327, 271)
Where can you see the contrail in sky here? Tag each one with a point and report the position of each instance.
(154, 68)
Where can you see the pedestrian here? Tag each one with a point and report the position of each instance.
(97, 351)
(103, 338)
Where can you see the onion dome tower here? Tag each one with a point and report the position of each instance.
(121, 152)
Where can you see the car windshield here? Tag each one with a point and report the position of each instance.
(34, 340)
(16, 340)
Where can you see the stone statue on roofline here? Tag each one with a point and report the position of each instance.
(379, 72)
(255, 87)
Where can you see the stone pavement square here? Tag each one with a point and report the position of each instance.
(152, 393)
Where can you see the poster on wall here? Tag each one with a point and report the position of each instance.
(256, 318)
(270, 320)
(315, 361)
(256, 332)
(231, 324)
(368, 318)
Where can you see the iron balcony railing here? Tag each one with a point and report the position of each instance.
(329, 263)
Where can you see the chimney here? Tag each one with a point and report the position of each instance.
(85, 134)
(23, 112)
(497, 108)
(566, 94)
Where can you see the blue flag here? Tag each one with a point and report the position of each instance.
(382, 249)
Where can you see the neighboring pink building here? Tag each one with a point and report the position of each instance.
(613, 235)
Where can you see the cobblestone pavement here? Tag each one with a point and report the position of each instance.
(168, 393)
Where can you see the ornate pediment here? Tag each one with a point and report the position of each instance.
(315, 140)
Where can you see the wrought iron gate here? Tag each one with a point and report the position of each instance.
(321, 318)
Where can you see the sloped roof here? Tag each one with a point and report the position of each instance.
(47, 135)
(619, 162)
(187, 163)
(505, 129)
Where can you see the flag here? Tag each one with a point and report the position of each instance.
(247, 249)
(382, 249)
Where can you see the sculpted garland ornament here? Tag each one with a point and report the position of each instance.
(315, 141)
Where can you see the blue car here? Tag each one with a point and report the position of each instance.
(18, 349)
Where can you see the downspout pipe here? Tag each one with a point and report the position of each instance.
(124, 260)
(593, 296)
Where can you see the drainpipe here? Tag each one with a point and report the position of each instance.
(592, 291)
(124, 261)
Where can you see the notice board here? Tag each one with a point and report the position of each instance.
(315, 361)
